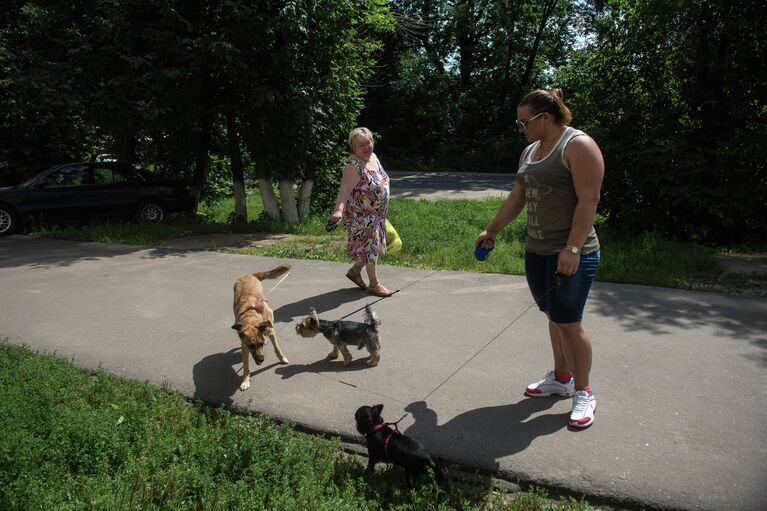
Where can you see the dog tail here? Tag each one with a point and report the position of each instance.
(371, 318)
(272, 274)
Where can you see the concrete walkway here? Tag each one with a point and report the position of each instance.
(680, 377)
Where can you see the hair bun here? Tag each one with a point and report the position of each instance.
(556, 92)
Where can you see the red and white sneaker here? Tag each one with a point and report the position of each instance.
(549, 386)
(584, 406)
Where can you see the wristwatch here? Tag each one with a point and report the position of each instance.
(573, 249)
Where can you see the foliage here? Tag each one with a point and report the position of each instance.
(452, 74)
(676, 95)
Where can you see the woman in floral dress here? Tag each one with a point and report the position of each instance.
(363, 203)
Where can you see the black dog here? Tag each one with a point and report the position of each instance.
(387, 444)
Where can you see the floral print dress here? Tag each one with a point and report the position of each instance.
(365, 213)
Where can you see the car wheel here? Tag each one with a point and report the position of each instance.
(9, 222)
(150, 212)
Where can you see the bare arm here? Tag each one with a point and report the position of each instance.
(587, 167)
(509, 210)
(349, 180)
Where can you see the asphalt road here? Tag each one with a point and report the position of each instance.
(450, 185)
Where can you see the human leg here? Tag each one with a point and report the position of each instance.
(355, 274)
(565, 308)
(376, 287)
(576, 349)
(539, 271)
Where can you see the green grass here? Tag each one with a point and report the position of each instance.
(440, 235)
(88, 440)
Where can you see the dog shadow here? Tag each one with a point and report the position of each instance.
(322, 302)
(484, 435)
(323, 365)
(216, 378)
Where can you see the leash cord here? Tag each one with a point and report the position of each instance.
(376, 301)
(280, 282)
(488, 343)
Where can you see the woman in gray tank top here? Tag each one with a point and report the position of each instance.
(559, 180)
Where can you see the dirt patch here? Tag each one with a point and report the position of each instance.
(218, 241)
(756, 263)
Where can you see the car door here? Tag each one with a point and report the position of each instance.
(116, 189)
(61, 193)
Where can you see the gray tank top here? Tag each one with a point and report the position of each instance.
(551, 199)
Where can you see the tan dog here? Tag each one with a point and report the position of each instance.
(254, 320)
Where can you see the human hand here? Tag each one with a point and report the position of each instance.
(567, 262)
(335, 217)
(486, 239)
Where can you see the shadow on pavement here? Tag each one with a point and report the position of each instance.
(216, 380)
(324, 365)
(660, 311)
(25, 251)
(322, 303)
(485, 434)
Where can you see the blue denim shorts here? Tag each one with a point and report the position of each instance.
(565, 302)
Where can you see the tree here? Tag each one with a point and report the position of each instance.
(678, 103)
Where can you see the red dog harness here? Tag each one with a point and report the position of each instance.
(379, 427)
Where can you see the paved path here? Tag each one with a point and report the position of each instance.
(680, 377)
(450, 185)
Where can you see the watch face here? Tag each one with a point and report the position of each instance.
(574, 250)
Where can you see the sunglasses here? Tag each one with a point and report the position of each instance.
(522, 125)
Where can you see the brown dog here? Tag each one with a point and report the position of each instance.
(254, 320)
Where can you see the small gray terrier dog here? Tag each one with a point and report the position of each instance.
(346, 333)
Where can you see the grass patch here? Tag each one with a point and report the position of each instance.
(440, 236)
(89, 440)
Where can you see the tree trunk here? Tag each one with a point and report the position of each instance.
(268, 198)
(238, 174)
(127, 147)
(288, 201)
(201, 160)
(307, 187)
(513, 7)
(548, 9)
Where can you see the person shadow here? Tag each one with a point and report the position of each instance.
(483, 435)
(322, 302)
(216, 380)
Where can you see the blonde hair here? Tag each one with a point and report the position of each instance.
(549, 101)
(356, 134)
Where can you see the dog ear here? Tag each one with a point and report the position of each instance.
(377, 410)
(237, 326)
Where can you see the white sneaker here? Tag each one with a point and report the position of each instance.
(584, 406)
(549, 386)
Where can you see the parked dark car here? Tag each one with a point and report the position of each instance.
(92, 190)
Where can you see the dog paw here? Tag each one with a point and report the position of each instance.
(284, 360)
(245, 385)
(332, 355)
(372, 363)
